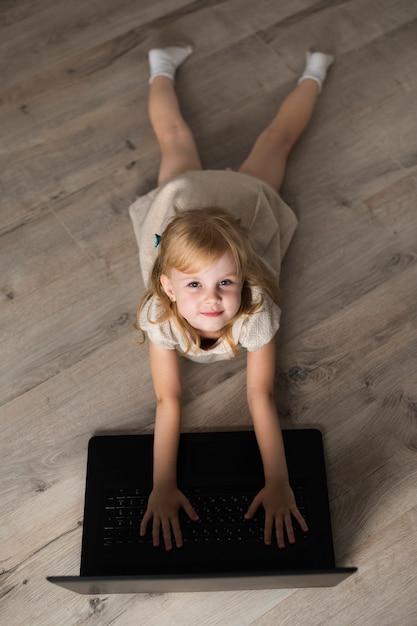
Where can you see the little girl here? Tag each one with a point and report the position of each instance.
(210, 246)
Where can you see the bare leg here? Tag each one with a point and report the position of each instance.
(268, 157)
(178, 149)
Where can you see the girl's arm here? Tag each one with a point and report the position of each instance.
(165, 499)
(276, 497)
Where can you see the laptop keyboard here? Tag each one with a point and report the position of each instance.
(221, 518)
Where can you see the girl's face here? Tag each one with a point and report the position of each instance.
(209, 298)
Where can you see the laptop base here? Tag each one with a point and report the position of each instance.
(172, 584)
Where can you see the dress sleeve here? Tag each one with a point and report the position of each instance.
(259, 328)
(160, 333)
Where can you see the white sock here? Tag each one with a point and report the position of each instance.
(164, 61)
(317, 64)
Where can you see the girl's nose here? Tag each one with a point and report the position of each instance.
(212, 295)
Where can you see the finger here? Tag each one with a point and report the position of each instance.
(252, 508)
(188, 508)
(155, 532)
(166, 533)
(144, 523)
(300, 519)
(176, 529)
(269, 522)
(279, 531)
(289, 528)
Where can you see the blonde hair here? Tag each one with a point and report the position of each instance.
(197, 238)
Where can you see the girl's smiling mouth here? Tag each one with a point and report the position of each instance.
(212, 313)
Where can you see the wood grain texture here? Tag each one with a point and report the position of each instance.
(76, 148)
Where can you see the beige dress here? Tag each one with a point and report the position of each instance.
(269, 220)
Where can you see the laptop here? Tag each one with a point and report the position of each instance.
(220, 472)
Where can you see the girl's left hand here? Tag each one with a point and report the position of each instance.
(278, 500)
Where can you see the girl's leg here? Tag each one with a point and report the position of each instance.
(178, 149)
(268, 157)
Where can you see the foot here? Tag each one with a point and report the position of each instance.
(317, 64)
(165, 61)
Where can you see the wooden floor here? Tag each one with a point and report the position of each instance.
(76, 149)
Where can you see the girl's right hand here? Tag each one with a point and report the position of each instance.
(163, 506)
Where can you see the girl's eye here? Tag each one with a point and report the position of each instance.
(225, 283)
(194, 284)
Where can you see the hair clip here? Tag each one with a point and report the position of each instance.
(157, 240)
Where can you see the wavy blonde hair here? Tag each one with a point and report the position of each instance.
(195, 239)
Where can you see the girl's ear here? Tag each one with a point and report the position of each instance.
(167, 287)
